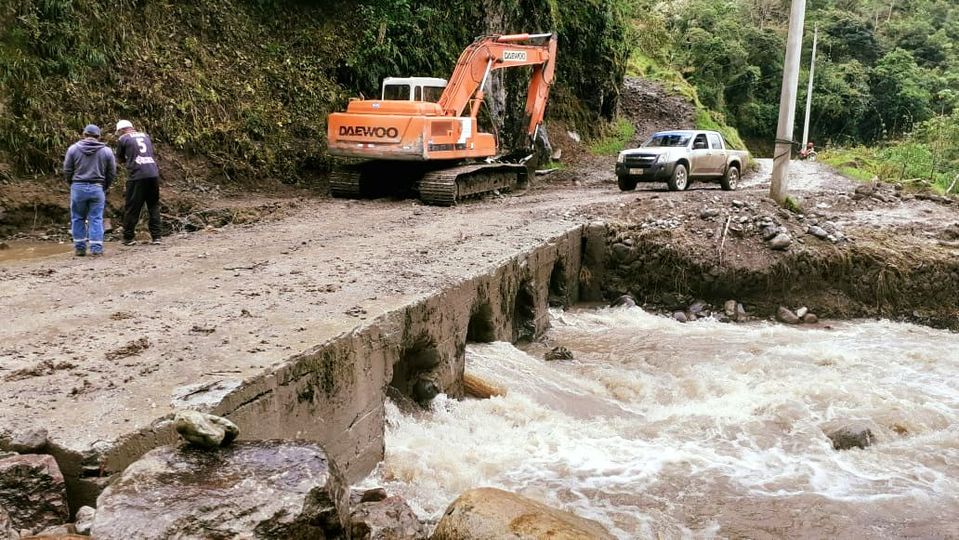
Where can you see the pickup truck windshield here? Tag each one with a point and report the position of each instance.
(667, 139)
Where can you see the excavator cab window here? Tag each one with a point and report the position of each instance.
(396, 92)
(432, 94)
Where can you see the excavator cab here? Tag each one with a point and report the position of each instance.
(413, 89)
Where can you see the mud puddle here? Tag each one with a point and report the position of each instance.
(25, 250)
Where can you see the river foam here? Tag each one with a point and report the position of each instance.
(702, 430)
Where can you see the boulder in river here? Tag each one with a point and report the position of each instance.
(558, 353)
(286, 490)
(624, 301)
(810, 318)
(490, 514)
(32, 491)
(786, 315)
(387, 519)
(851, 436)
(204, 430)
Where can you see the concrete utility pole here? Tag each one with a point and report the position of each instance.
(812, 73)
(787, 102)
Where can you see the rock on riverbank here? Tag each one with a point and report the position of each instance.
(271, 489)
(489, 514)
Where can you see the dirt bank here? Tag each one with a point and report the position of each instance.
(879, 252)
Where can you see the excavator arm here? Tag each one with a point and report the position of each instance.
(488, 53)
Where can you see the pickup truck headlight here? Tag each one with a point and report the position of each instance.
(621, 157)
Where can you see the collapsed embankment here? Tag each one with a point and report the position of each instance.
(864, 280)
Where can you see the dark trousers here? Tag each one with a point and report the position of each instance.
(144, 190)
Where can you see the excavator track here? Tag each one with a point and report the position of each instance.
(446, 187)
(346, 184)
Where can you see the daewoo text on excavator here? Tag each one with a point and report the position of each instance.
(423, 132)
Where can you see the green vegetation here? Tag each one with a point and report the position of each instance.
(887, 75)
(926, 158)
(650, 60)
(246, 85)
(792, 205)
(614, 141)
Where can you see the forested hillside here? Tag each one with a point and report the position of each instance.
(245, 85)
(886, 71)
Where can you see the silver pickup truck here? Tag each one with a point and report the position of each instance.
(678, 158)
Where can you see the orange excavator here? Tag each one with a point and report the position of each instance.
(423, 134)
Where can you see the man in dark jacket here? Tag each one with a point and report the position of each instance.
(89, 167)
(143, 182)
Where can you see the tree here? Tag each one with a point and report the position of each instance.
(900, 100)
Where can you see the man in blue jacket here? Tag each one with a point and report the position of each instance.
(89, 167)
(135, 149)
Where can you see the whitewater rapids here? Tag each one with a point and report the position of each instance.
(659, 429)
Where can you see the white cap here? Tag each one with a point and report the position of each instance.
(124, 124)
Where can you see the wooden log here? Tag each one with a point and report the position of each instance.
(479, 388)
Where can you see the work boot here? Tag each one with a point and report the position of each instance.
(80, 252)
(129, 242)
(156, 242)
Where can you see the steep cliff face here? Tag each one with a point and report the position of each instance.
(245, 85)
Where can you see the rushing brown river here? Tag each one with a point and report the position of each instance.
(705, 430)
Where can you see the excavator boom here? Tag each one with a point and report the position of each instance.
(500, 52)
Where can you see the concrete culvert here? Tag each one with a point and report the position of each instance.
(524, 313)
(480, 328)
(414, 363)
(558, 293)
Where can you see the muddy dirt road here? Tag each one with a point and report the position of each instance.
(98, 347)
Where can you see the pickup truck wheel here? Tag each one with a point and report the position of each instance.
(680, 178)
(626, 183)
(730, 179)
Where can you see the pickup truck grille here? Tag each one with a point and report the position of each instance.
(639, 160)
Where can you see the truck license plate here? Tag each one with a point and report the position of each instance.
(637, 171)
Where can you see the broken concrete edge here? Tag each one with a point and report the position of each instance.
(317, 394)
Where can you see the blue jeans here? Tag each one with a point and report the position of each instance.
(86, 215)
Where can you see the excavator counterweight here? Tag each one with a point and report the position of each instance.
(431, 125)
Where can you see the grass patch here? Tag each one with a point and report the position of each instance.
(614, 140)
(553, 165)
(640, 65)
(705, 119)
(792, 205)
(911, 164)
